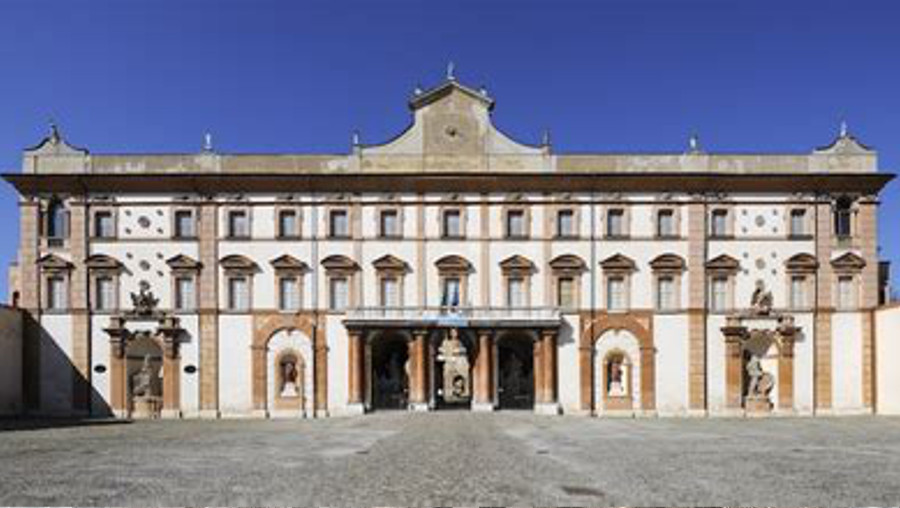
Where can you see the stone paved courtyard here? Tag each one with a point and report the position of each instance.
(457, 458)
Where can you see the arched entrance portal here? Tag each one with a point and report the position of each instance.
(143, 373)
(389, 372)
(515, 372)
(453, 360)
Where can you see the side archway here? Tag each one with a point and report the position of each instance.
(641, 353)
(289, 376)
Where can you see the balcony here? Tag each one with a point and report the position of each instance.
(455, 317)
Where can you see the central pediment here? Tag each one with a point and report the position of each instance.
(452, 130)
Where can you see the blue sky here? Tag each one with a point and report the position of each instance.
(276, 76)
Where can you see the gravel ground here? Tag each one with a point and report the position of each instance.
(457, 458)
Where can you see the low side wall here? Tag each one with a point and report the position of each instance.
(10, 361)
(887, 358)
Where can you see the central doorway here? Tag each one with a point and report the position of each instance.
(515, 372)
(390, 372)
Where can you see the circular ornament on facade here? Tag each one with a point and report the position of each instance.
(100, 368)
(760, 263)
(159, 213)
(760, 221)
(144, 221)
(451, 131)
(144, 265)
(190, 369)
(144, 285)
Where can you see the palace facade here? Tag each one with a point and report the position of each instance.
(449, 267)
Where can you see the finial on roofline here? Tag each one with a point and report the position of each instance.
(845, 131)
(545, 141)
(694, 144)
(417, 90)
(355, 138)
(451, 69)
(55, 136)
(207, 142)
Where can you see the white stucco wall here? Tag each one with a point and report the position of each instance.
(846, 362)
(887, 354)
(672, 356)
(235, 337)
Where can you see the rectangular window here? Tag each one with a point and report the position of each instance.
(515, 224)
(288, 224)
(390, 224)
(103, 225)
(665, 293)
(798, 222)
(238, 224)
(719, 297)
(452, 224)
(390, 292)
(665, 223)
(842, 222)
(451, 292)
(104, 293)
(184, 224)
(719, 223)
(339, 293)
(184, 293)
(289, 293)
(238, 294)
(565, 292)
(565, 223)
(846, 293)
(56, 293)
(515, 292)
(615, 293)
(615, 222)
(338, 224)
(798, 292)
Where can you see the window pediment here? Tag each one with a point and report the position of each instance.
(288, 262)
(724, 263)
(103, 262)
(668, 262)
(517, 264)
(453, 263)
(52, 262)
(848, 262)
(183, 262)
(238, 263)
(390, 263)
(568, 262)
(338, 262)
(618, 262)
(802, 262)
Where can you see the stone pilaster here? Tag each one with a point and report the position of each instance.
(538, 370)
(418, 389)
(321, 370)
(867, 239)
(208, 309)
(30, 299)
(734, 365)
(484, 376)
(79, 308)
(824, 308)
(549, 403)
(356, 372)
(696, 306)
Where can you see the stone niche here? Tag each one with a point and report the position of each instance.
(759, 361)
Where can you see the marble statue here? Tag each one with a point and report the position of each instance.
(616, 386)
(760, 381)
(453, 354)
(144, 302)
(288, 378)
(761, 301)
(144, 381)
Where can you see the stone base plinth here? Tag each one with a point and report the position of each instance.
(355, 409)
(419, 407)
(146, 408)
(171, 414)
(483, 407)
(757, 406)
(209, 414)
(546, 408)
(321, 413)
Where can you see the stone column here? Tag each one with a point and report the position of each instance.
(418, 386)
(171, 378)
(484, 377)
(823, 310)
(696, 275)
(79, 305)
(787, 334)
(356, 371)
(734, 365)
(117, 368)
(549, 404)
(208, 311)
(537, 366)
(320, 372)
